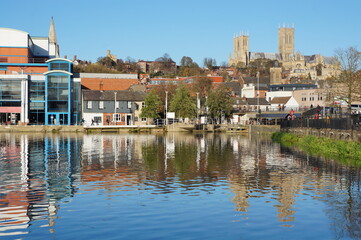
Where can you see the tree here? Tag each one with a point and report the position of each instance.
(182, 103)
(93, 68)
(186, 61)
(209, 63)
(152, 105)
(160, 91)
(164, 64)
(202, 85)
(348, 84)
(189, 68)
(219, 103)
(106, 61)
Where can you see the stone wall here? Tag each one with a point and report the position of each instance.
(40, 128)
(330, 133)
(268, 129)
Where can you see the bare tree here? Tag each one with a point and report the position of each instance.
(348, 84)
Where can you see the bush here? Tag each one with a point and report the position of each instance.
(344, 151)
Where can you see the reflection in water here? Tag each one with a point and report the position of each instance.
(42, 173)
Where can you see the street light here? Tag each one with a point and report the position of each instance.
(258, 91)
(206, 109)
(166, 107)
(198, 106)
(115, 108)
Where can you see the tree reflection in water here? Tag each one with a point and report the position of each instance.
(38, 172)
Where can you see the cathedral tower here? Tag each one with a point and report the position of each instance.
(286, 44)
(240, 50)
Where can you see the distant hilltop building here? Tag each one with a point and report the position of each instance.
(297, 65)
(111, 56)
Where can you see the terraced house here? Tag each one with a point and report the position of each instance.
(113, 107)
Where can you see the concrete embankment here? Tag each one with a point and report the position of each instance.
(264, 129)
(260, 129)
(40, 128)
(351, 135)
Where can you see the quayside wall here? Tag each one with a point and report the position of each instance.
(40, 128)
(350, 135)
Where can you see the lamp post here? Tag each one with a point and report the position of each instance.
(258, 92)
(166, 107)
(206, 109)
(115, 108)
(198, 106)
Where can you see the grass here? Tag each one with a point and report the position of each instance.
(346, 152)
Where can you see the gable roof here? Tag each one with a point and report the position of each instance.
(264, 80)
(235, 86)
(252, 101)
(280, 100)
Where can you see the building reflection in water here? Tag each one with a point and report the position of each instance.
(40, 171)
(36, 172)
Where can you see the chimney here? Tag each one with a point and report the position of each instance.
(101, 86)
(65, 56)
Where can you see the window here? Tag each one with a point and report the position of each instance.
(101, 104)
(144, 119)
(89, 104)
(143, 104)
(59, 66)
(98, 120)
(116, 117)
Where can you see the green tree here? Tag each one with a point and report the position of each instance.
(182, 103)
(160, 91)
(219, 103)
(152, 105)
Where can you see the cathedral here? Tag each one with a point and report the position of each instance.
(296, 65)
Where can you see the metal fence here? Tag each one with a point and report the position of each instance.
(349, 123)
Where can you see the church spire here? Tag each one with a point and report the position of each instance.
(52, 35)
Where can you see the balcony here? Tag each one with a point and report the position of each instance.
(37, 60)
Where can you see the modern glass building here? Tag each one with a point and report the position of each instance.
(58, 94)
(36, 86)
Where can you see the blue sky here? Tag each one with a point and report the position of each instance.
(195, 28)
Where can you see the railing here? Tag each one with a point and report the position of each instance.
(349, 123)
(37, 60)
(162, 121)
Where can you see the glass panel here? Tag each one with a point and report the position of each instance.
(37, 90)
(10, 90)
(59, 66)
(37, 105)
(57, 106)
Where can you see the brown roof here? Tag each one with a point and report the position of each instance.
(280, 100)
(107, 83)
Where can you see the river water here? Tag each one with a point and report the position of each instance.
(175, 186)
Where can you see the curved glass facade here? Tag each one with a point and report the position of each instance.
(58, 93)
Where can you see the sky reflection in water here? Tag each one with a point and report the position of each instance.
(178, 186)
